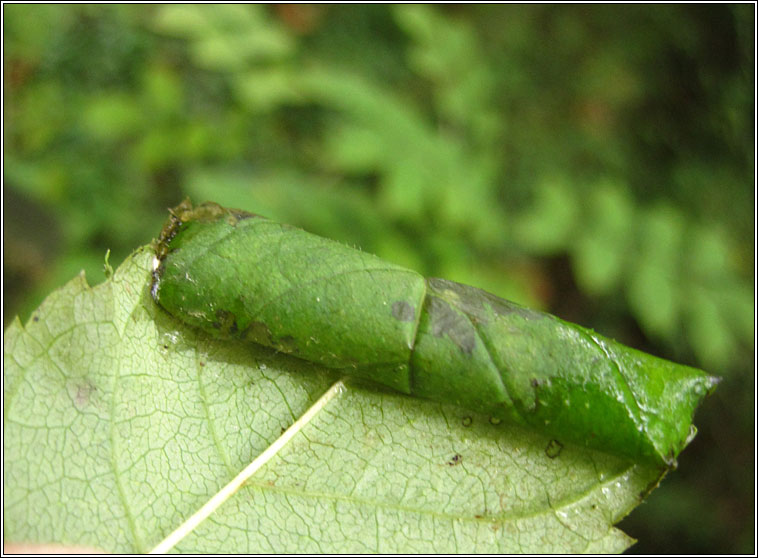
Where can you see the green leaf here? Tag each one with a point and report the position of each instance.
(712, 340)
(652, 285)
(238, 275)
(547, 226)
(446, 51)
(228, 37)
(601, 251)
(421, 169)
(119, 423)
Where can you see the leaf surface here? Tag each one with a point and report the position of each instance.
(119, 423)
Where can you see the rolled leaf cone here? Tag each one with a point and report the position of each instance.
(238, 275)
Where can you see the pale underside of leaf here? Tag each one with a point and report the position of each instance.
(236, 483)
(120, 424)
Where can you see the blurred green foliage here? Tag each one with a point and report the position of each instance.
(593, 161)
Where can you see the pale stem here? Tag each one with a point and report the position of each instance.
(221, 496)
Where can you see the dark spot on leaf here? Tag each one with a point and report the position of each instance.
(202, 363)
(477, 302)
(403, 311)
(456, 460)
(258, 332)
(35, 319)
(447, 321)
(503, 307)
(287, 344)
(553, 449)
(83, 394)
(467, 421)
(227, 321)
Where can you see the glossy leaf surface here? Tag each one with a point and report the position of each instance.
(238, 275)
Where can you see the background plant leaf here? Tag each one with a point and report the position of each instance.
(119, 423)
